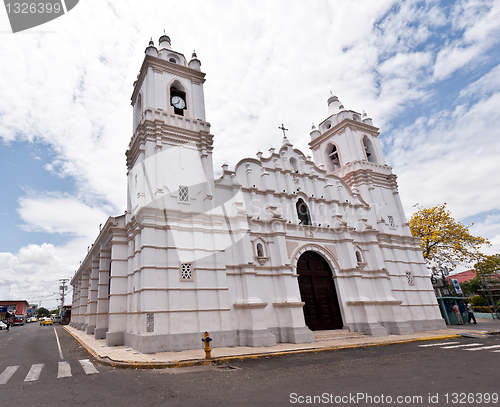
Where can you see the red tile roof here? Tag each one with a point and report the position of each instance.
(464, 275)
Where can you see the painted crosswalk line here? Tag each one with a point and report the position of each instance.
(34, 373)
(63, 370)
(88, 366)
(486, 347)
(7, 373)
(464, 345)
(437, 344)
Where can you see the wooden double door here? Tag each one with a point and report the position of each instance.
(317, 291)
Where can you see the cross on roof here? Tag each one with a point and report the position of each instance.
(283, 128)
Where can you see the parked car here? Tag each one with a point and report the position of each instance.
(2, 325)
(46, 321)
(57, 320)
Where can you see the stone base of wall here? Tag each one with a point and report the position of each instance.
(176, 342)
(256, 338)
(100, 333)
(115, 338)
(397, 328)
(427, 325)
(293, 335)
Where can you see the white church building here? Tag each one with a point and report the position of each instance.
(276, 248)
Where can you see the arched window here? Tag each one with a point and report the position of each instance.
(294, 164)
(333, 161)
(303, 212)
(260, 251)
(369, 150)
(178, 98)
(138, 110)
(359, 258)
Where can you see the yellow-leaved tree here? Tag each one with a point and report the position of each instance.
(443, 240)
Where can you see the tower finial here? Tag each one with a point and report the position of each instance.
(164, 41)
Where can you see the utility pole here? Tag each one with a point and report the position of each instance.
(62, 288)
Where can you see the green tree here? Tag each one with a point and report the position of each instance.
(471, 288)
(488, 275)
(443, 240)
(43, 312)
(490, 265)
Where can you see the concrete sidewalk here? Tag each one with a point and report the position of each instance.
(123, 356)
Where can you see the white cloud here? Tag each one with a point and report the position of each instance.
(450, 157)
(452, 58)
(33, 274)
(485, 85)
(480, 21)
(57, 213)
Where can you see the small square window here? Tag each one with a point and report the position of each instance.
(183, 194)
(186, 270)
(409, 277)
(150, 322)
(391, 221)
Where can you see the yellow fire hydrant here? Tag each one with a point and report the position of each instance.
(208, 350)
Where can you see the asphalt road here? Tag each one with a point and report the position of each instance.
(399, 375)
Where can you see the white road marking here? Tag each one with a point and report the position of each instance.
(7, 374)
(437, 344)
(466, 345)
(63, 370)
(58, 344)
(34, 373)
(486, 347)
(88, 366)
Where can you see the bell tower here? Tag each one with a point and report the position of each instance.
(170, 153)
(346, 143)
(345, 137)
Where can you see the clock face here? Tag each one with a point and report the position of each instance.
(178, 102)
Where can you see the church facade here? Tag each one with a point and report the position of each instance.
(280, 246)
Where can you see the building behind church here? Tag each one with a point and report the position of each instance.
(276, 248)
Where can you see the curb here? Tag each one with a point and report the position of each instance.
(225, 359)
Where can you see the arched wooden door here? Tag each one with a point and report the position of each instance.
(317, 291)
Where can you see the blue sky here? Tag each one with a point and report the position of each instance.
(24, 162)
(427, 72)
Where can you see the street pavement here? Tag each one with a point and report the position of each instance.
(46, 367)
(123, 356)
(31, 352)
